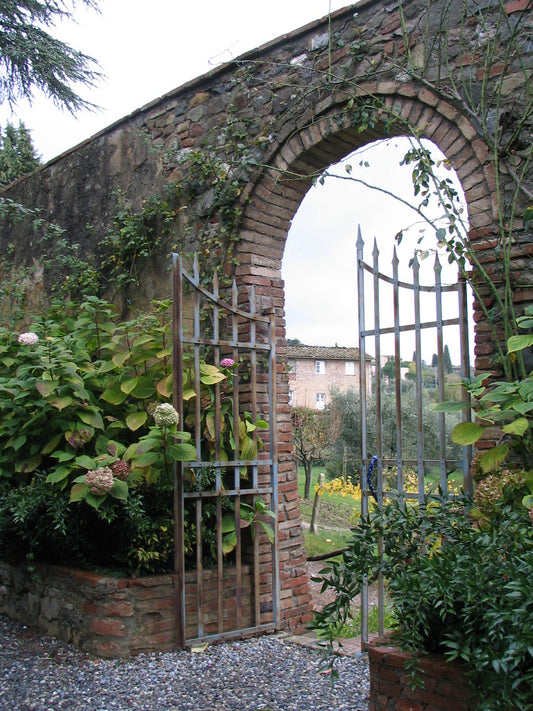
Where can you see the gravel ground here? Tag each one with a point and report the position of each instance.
(263, 674)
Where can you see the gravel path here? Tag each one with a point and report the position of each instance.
(263, 674)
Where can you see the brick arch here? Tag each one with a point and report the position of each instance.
(322, 142)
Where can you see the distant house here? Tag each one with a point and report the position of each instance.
(314, 371)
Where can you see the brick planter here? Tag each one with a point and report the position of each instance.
(444, 685)
(114, 617)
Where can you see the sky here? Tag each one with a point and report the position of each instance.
(148, 49)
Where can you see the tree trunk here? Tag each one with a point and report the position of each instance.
(308, 469)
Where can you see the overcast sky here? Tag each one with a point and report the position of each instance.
(146, 49)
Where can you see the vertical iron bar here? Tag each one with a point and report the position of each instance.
(177, 394)
(273, 444)
(440, 375)
(465, 367)
(363, 405)
(419, 383)
(253, 407)
(199, 568)
(218, 445)
(379, 433)
(398, 374)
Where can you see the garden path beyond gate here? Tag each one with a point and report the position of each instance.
(416, 309)
(226, 502)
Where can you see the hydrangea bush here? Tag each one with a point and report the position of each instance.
(87, 424)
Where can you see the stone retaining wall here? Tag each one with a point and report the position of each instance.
(111, 616)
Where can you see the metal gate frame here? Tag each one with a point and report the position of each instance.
(234, 332)
(375, 462)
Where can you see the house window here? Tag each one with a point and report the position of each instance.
(320, 401)
(349, 367)
(291, 397)
(320, 367)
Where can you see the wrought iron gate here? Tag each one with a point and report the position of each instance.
(226, 502)
(375, 481)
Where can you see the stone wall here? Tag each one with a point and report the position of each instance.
(117, 617)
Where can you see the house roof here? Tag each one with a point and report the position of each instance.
(324, 353)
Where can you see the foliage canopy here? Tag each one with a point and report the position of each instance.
(30, 58)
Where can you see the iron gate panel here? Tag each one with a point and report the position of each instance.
(232, 587)
(373, 463)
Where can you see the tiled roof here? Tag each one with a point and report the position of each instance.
(324, 353)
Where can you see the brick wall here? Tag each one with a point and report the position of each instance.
(443, 685)
(116, 617)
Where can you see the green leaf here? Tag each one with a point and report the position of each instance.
(493, 457)
(146, 460)
(145, 388)
(45, 388)
(120, 358)
(147, 443)
(58, 475)
(85, 462)
(94, 419)
(94, 500)
(466, 433)
(113, 395)
(129, 385)
(78, 492)
(518, 427)
(119, 490)
(52, 443)
(135, 420)
(189, 393)
(267, 529)
(164, 387)
(61, 403)
(19, 441)
(248, 449)
(28, 465)
(518, 343)
(229, 541)
(141, 340)
(212, 379)
(182, 452)
(210, 374)
(106, 367)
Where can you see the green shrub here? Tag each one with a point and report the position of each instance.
(457, 586)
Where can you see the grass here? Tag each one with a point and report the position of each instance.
(324, 541)
(352, 628)
(335, 516)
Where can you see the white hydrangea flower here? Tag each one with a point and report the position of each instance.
(28, 339)
(165, 415)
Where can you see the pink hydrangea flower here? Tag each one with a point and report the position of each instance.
(28, 339)
(227, 362)
(121, 469)
(100, 480)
